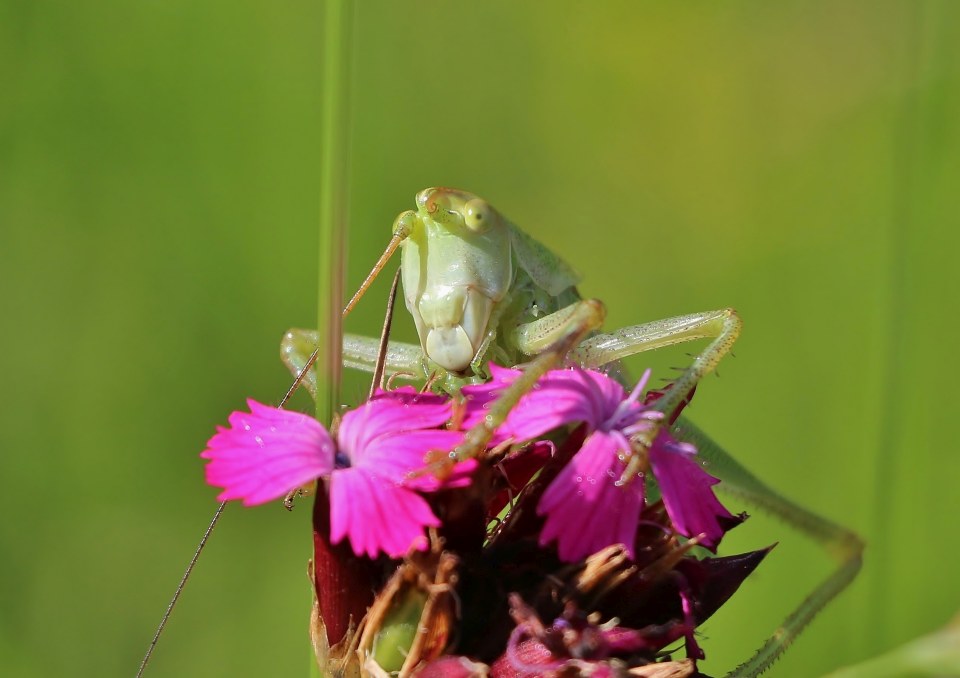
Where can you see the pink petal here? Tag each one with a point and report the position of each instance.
(266, 453)
(377, 515)
(586, 509)
(400, 457)
(686, 490)
(389, 412)
(560, 397)
(397, 455)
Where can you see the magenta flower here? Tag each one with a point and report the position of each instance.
(587, 507)
(266, 453)
(372, 469)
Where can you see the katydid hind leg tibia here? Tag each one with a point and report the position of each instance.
(723, 327)
(844, 546)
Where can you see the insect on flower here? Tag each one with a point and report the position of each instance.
(481, 291)
(514, 521)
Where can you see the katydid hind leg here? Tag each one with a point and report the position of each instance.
(723, 327)
(844, 546)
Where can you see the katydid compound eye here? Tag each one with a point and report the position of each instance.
(477, 214)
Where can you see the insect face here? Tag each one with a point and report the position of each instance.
(457, 266)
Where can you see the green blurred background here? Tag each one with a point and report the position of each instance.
(158, 208)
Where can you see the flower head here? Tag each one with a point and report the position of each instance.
(589, 505)
(571, 465)
(372, 468)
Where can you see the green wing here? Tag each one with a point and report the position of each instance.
(545, 268)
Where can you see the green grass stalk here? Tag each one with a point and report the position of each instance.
(334, 193)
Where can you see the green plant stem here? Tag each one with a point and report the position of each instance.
(334, 192)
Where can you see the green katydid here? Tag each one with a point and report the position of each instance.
(480, 289)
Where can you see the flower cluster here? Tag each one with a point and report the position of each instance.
(582, 508)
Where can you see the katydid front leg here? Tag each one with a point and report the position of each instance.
(402, 360)
(723, 326)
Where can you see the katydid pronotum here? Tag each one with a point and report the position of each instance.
(480, 289)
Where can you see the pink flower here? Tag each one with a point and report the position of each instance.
(374, 500)
(586, 506)
(266, 453)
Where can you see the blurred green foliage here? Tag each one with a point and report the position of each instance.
(158, 202)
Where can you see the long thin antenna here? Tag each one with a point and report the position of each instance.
(377, 381)
(176, 594)
(392, 246)
(335, 133)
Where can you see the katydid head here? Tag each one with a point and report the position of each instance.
(455, 208)
(457, 266)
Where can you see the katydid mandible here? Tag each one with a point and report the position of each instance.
(480, 289)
